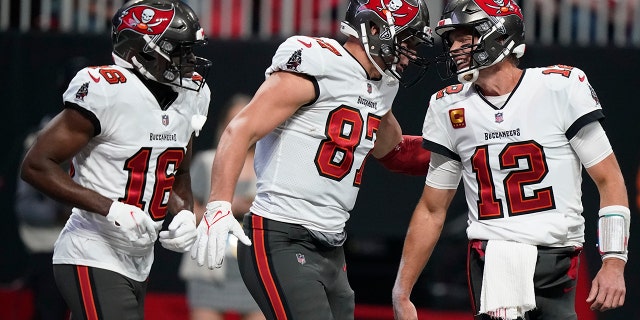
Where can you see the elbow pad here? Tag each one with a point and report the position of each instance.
(408, 157)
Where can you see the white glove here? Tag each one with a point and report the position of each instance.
(134, 223)
(213, 230)
(181, 233)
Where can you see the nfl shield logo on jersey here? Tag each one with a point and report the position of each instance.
(499, 117)
(165, 119)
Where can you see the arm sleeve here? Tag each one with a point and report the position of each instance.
(591, 144)
(407, 157)
(444, 172)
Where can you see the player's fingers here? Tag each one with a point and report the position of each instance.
(133, 237)
(168, 244)
(175, 224)
(180, 231)
(607, 301)
(202, 251)
(221, 245)
(149, 227)
(620, 301)
(163, 235)
(593, 292)
(615, 298)
(194, 248)
(211, 251)
(144, 241)
(237, 231)
(597, 302)
(188, 243)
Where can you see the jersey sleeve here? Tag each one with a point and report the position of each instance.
(298, 54)
(87, 91)
(583, 103)
(435, 133)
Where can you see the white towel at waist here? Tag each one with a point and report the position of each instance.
(507, 284)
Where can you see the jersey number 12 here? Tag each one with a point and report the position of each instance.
(514, 183)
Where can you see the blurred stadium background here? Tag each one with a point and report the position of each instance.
(43, 42)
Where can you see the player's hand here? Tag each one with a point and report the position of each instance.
(404, 309)
(132, 222)
(181, 233)
(608, 288)
(213, 231)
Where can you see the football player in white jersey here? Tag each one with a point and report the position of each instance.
(128, 130)
(320, 112)
(518, 139)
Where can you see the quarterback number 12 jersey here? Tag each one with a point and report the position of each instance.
(521, 176)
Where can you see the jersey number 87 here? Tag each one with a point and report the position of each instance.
(335, 156)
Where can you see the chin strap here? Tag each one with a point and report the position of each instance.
(468, 76)
(365, 43)
(142, 70)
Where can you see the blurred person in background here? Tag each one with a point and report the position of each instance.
(40, 221)
(212, 293)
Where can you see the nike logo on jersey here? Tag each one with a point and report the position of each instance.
(306, 44)
(581, 78)
(95, 79)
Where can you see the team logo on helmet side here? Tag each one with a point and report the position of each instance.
(401, 11)
(146, 20)
(499, 8)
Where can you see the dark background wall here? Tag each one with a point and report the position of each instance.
(34, 73)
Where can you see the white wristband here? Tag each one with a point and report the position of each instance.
(613, 232)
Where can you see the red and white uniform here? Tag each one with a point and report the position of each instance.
(132, 159)
(522, 178)
(309, 167)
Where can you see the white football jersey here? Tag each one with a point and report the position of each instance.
(521, 177)
(132, 158)
(309, 168)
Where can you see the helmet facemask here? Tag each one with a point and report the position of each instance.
(174, 63)
(412, 44)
